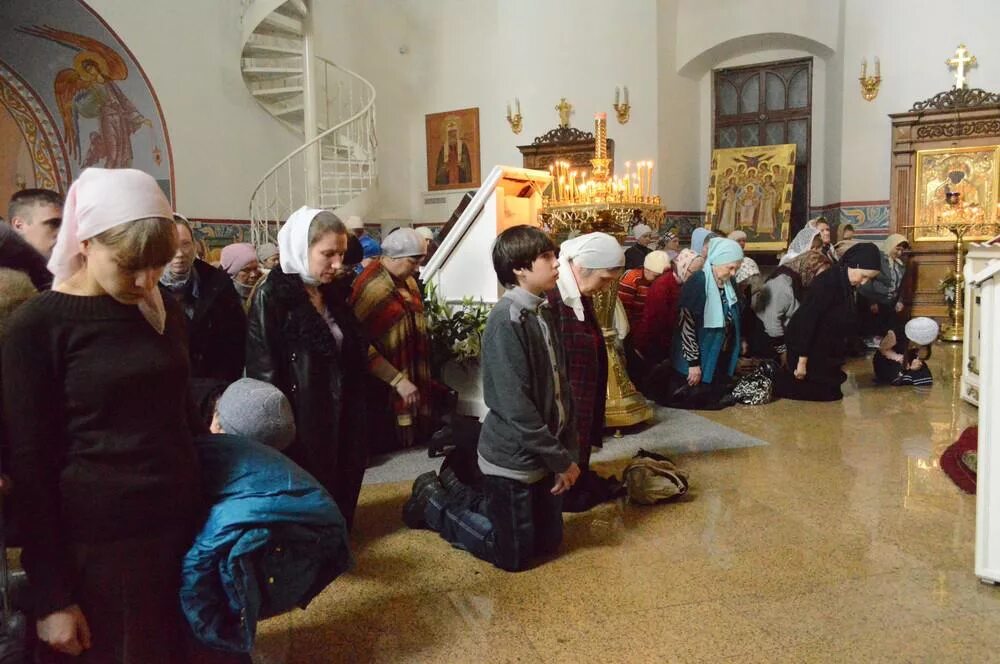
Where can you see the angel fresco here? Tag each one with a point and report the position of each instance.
(89, 89)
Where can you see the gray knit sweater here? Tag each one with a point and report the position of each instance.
(529, 430)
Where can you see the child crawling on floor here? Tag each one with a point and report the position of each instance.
(902, 356)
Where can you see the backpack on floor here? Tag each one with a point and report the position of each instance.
(651, 478)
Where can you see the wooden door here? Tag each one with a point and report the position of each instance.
(768, 104)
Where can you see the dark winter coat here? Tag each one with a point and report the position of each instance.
(217, 329)
(290, 346)
(17, 254)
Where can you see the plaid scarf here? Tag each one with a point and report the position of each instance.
(392, 315)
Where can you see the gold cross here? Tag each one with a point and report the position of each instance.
(959, 62)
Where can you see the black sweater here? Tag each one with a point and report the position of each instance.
(97, 418)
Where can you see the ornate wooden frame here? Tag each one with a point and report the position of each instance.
(953, 119)
(563, 144)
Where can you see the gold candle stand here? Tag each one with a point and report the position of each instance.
(954, 328)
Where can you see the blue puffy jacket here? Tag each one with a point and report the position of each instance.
(273, 539)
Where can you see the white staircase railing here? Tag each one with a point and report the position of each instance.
(335, 168)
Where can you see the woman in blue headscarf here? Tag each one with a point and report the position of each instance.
(706, 345)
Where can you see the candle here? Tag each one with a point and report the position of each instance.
(626, 95)
(864, 67)
(560, 190)
(642, 181)
(508, 110)
(877, 67)
(650, 176)
(617, 92)
(517, 105)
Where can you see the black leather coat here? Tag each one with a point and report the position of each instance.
(290, 346)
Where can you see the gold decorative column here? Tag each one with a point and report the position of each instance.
(625, 405)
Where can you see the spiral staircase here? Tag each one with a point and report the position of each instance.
(330, 107)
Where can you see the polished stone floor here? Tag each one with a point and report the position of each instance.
(812, 533)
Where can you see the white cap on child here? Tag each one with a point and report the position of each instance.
(922, 331)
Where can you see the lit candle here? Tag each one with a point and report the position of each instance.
(560, 190)
(642, 182)
(650, 176)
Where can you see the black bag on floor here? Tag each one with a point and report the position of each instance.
(755, 389)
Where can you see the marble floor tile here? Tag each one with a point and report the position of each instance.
(812, 533)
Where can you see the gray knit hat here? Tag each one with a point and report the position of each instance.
(258, 411)
(403, 242)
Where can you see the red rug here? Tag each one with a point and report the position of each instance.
(959, 460)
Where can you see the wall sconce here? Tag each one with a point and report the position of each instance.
(622, 110)
(870, 84)
(515, 120)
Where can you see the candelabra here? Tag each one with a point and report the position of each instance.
(870, 84)
(515, 120)
(622, 110)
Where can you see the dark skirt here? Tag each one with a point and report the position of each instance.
(822, 382)
(129, 593)
(669, 388)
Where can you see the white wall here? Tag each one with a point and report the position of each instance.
(222, 140)
(913, 38)
(680, 120)
(487, 52)
(483, 53)
(703, 25)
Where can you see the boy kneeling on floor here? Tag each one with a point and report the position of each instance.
(528, 446)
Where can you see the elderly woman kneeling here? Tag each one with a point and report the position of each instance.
(706, 345)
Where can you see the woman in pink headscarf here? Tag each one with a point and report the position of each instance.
(101, 454)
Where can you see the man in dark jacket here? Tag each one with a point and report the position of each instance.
(26, 240)
(216, 322)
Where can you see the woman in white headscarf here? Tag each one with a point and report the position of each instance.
(807, 239)
(588, 264)
(101, 448)
(303, 338)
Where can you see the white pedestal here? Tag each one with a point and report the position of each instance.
(468, 382)
(988, 471)
(976, 259)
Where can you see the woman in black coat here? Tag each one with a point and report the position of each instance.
(303, 338)
(817, 334)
